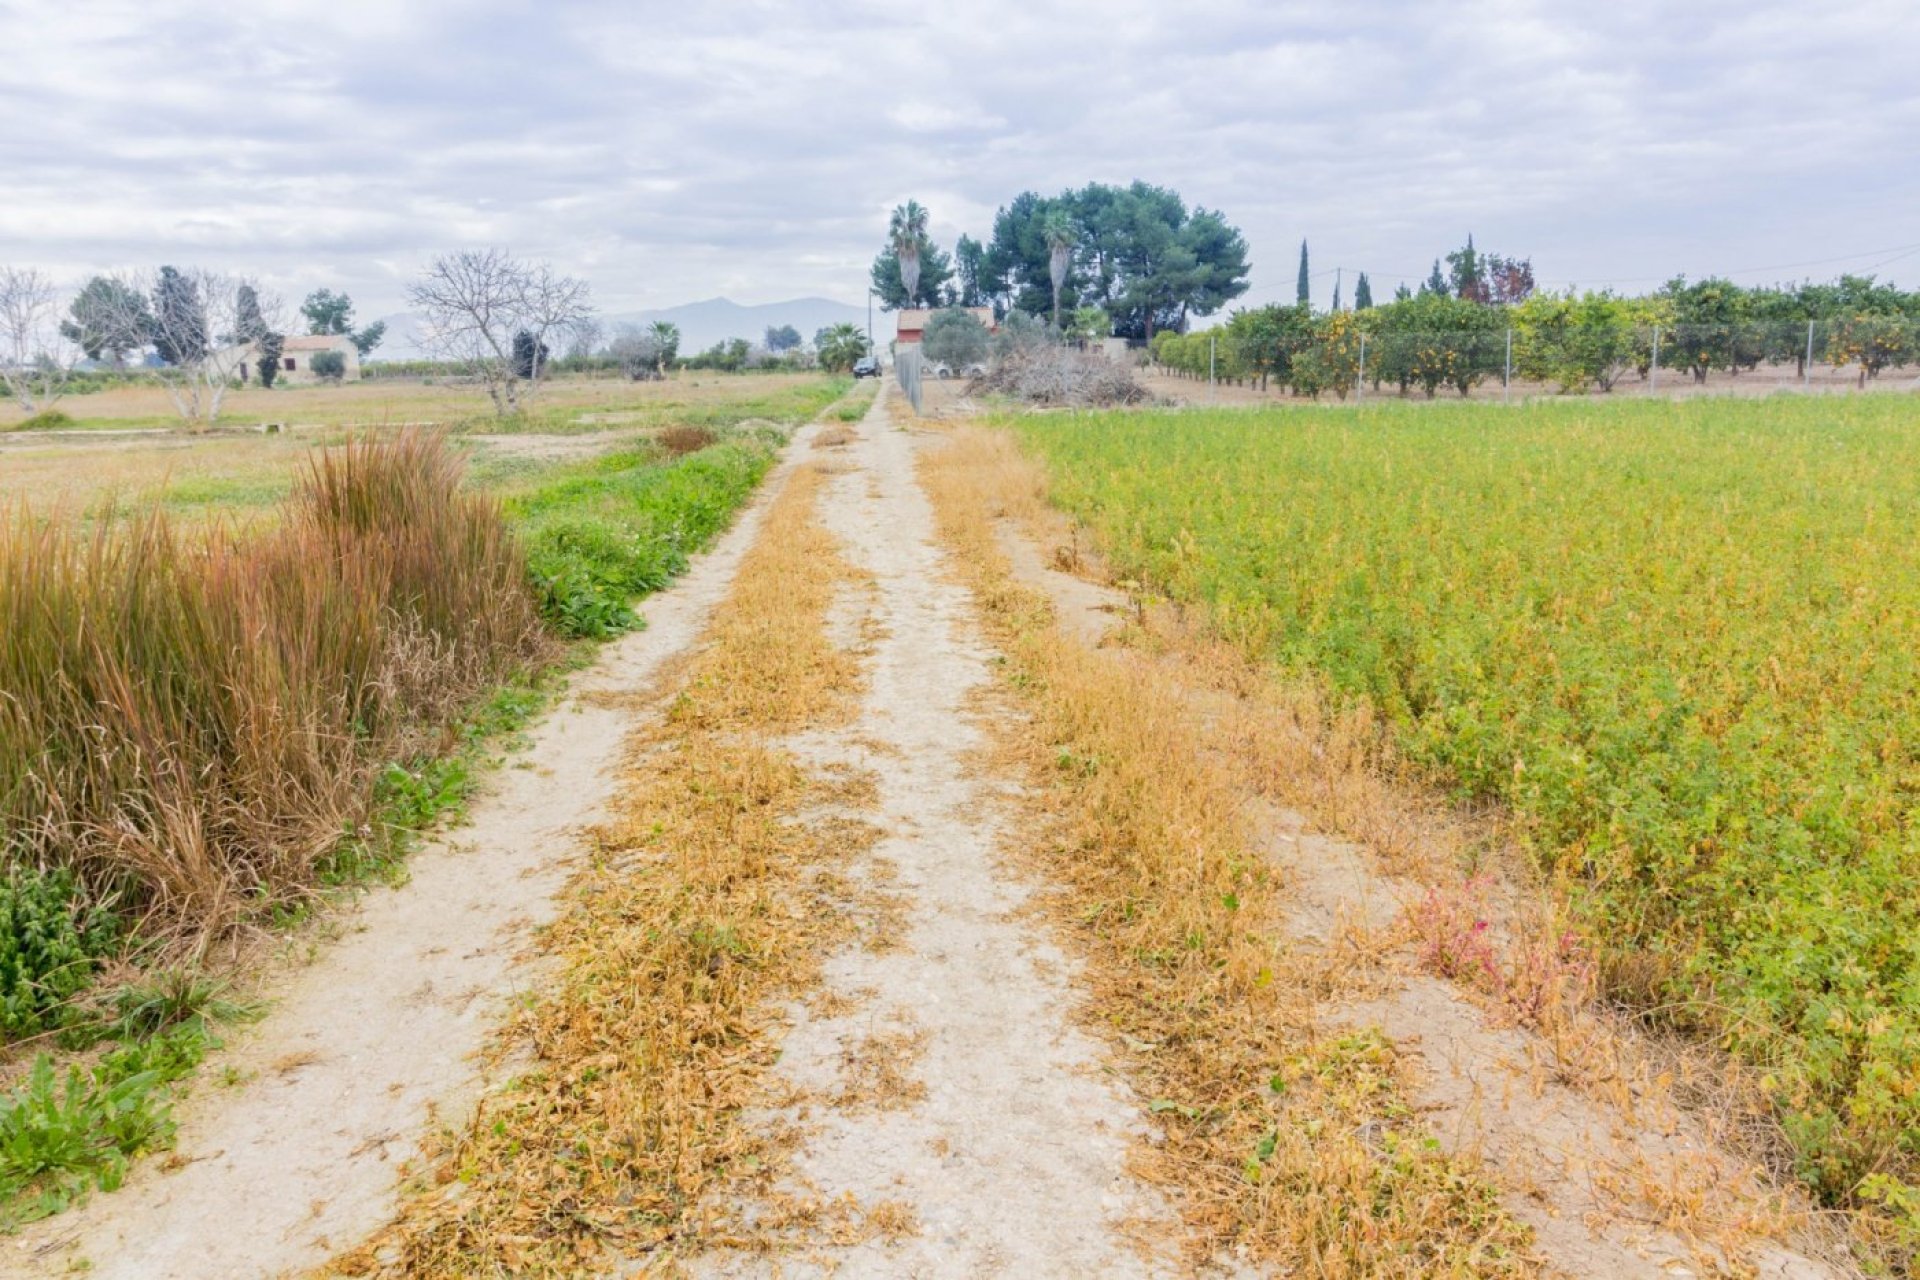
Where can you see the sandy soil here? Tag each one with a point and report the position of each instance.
(994, 1128)
(300, 1157)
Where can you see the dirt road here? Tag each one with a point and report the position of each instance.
(941, 1087)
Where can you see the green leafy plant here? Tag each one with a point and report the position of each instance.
(63, 1135)
(50, 942)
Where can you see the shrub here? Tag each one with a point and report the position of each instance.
(45, 420)
(329, 365)
(679, 441)
(956, 337)
(49, 943)
(193, 718)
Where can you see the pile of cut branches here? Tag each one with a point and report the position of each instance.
(1047, 374)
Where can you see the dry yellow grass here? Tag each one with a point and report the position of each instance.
(1289, 1145)
(699, 913)
(395, 401)
(837, 436)
(83, 477)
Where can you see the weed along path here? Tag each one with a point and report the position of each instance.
(297, 1154)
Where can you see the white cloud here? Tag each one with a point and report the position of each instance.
(677, 151)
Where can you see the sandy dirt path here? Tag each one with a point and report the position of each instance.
(336, 1083)
(946, 1080)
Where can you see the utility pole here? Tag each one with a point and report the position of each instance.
(1806, 376)
(1360, 375)
(1506, 379)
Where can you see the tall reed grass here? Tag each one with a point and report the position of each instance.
(190, 719)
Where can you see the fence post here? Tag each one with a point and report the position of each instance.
(1653, 371)
(1806, 376)
(1212, 392)
(1506, 379)
(1360, 378)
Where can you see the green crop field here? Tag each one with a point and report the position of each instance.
(1681, 641)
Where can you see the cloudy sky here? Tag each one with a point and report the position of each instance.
(671, 152)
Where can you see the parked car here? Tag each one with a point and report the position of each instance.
(974, 370)
(866, 367)
(940, 369)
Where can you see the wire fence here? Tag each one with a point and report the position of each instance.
(908, 367)
(1349, 360)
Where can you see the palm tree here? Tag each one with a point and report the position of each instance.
(839, 346)
(666, 340)
(1060, 242)
(906, 232)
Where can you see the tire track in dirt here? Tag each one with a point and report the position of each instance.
(940, 1084)
(366, 1044)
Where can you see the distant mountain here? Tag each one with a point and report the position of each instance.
(701, 323)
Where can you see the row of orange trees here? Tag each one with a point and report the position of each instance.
(1574, 341)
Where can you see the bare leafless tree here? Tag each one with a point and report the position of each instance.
(554, 305)
(583, 338)
(638, 351)
(204, 322)
(477, 300)
(35, 359)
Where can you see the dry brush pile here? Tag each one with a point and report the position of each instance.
(191, 719)
(1051, 375)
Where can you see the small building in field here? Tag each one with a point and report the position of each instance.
(912, 322)
(296, 358)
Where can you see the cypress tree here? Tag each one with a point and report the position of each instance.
(179, 319)
(1304, 295)
(1362, 293)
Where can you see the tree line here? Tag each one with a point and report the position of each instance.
(196, 330)
(1128, 261)
(1473, 323)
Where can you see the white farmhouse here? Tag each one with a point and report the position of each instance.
(296, 358)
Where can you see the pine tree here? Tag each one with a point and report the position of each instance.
(1437, 282)
(1362, 293)
(1401, 293)
(1304, 294)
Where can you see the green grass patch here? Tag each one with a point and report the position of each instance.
(227, 492)
(750, 400)
(603, 533)
(45, 420)
(1681, 640)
